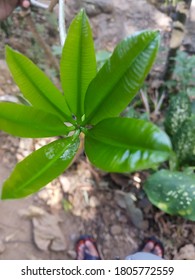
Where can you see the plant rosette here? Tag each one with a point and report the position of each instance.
(90, 103)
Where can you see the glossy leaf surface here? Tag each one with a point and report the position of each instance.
(26, 121)
(124, 145)
(120, 78)
(78, 63)
(172, 192)
(36, 86)
(39, 168)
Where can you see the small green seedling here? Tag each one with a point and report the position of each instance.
(91, 104)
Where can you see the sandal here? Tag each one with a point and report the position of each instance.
(156, 242)
(86, 254)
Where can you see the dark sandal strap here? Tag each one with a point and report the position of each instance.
(90, 257)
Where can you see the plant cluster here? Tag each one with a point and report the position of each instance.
(183, 75)
(173, 191)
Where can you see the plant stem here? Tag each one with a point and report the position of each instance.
(62, 25)
(71, 128)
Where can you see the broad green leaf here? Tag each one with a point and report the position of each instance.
(124, 145)
(36, 86)
(25, 121)
(118, 81)
(78, 63)
(39, 168)
(172, 192)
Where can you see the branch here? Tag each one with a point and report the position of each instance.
(51, 59)
(52, 4)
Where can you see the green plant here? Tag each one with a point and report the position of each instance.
(180, 126)
(184, 74)
(184, 142)
(178, 111)
(172, 192)
(90, 104)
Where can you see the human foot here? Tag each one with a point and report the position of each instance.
(154, 246)
(86, 249)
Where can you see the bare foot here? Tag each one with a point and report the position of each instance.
(86, 247)
(154, 247)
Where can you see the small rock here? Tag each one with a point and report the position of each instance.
(116, 229)
(43, 194)
(136, 217)
(93, 202)
(122, 219)
(46, 231)
(66, 185)
(187, 252)
(26, 144)
(2, 247)
(71, 254)
(112, 217)
(95, 7)
(107, 237)
(120, 200)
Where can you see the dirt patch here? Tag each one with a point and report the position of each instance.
(84, 200)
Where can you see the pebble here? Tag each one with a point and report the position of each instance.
(2, 247)
(116, 229)
(93, 202)
(71, 254)
(66, 185)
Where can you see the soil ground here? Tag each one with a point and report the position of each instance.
(83, 200)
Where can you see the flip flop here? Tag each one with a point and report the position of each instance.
(81, 241)
(156, 242)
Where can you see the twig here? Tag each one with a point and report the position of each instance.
(38, 4)
(52, 4)
(145, 101)
(159, 104)
(51, 59)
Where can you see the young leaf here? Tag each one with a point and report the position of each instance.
(26, 121)
(124, 145)
(39, 168)
(36, 86)
(172, 192)
(117, 82)
(78, 63)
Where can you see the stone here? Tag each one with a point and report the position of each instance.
(2, 247)
(94, 7)
(46, 231)
(186, 252)
(71, 254)
(65, 183)
(93, 202)
(116, 230)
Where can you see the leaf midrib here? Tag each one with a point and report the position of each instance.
(46, 167)
(79, 73)
(23, 122)
(125, 146)
(63, 114)
(91, 116)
